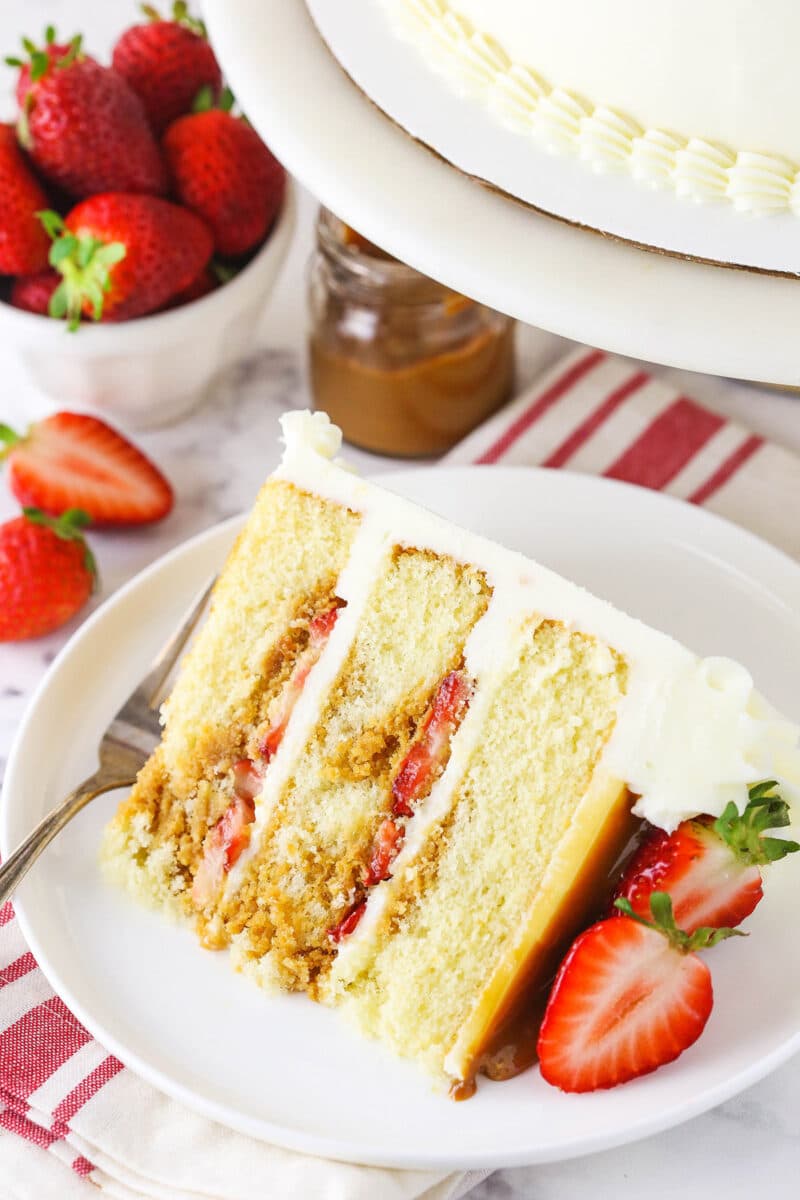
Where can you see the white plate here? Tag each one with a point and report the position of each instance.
(396, 77)
(536, 268)
(283, 1069)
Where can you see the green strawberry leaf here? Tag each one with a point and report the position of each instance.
(59, 302)
(743, 832)
(9, 437)
(664, 922)
(85, 264)
(204, 100)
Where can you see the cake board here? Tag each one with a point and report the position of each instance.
(545, 271)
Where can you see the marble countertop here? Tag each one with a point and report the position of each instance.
(216, 460)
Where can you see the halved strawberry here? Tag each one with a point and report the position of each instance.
(426, 756)
(711, 869)
(71, 460)
(630, 996)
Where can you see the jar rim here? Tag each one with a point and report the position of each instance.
(371, 269)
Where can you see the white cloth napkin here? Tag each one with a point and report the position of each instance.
(96, 1120)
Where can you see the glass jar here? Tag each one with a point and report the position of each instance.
(402, 364)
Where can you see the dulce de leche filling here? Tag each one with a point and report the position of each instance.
(417, 408)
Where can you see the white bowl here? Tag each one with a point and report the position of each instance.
(152, 370)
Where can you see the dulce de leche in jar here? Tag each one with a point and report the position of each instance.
(401, 364)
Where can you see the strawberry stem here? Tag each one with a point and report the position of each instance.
(9, 438)
(222, 272)
(68, 527)
(743, 831)
(664, 922)
(39, 60)
(180, 15)
(206, 100)
(85, 266)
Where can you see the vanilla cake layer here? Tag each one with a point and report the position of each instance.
(282, 569)
(401, 760)
(483, 867)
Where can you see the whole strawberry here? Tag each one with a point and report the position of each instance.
(205, 283)
(631, 995)
(33, 293)
(47, 573)
(122, 256)
(221, 169)
(84, 126)
(711, 868)
(167, 63)
(24, 245)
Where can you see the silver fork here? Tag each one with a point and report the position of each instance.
(124, 748)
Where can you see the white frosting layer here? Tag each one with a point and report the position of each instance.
(371, 545)
(690, 735)
(700, 98)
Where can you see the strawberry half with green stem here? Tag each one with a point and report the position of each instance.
(167, 62)
(123, 256)
(72, 460)
(711, 868)
(24, 245)
(83, 125)
(630, 996)
(221, 169)
(47, 572)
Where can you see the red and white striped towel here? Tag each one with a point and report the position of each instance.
(599, 414)
(60, 1090)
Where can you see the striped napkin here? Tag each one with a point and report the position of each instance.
(596, 413)
(61, 1091)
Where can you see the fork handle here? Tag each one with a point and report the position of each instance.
(17, 865)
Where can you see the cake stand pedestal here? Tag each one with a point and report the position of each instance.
(547, 273)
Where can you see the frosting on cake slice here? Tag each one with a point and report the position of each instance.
(400, 763)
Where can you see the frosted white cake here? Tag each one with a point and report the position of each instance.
(699, 97)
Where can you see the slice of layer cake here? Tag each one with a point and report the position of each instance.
(401, 763)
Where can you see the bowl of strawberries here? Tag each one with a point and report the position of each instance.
(143, 222)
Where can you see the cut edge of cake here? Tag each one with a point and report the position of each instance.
(655, 691)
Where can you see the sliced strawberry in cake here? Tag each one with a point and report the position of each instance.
(283, 706)
(227, 839)
(422, 765)
(230, 835)
(427, 757)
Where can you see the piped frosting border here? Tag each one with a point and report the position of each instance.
(606, 139)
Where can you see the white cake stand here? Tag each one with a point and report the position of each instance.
(546, 272)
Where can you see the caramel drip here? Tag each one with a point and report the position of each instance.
(462, 1089)
(510, 1048)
